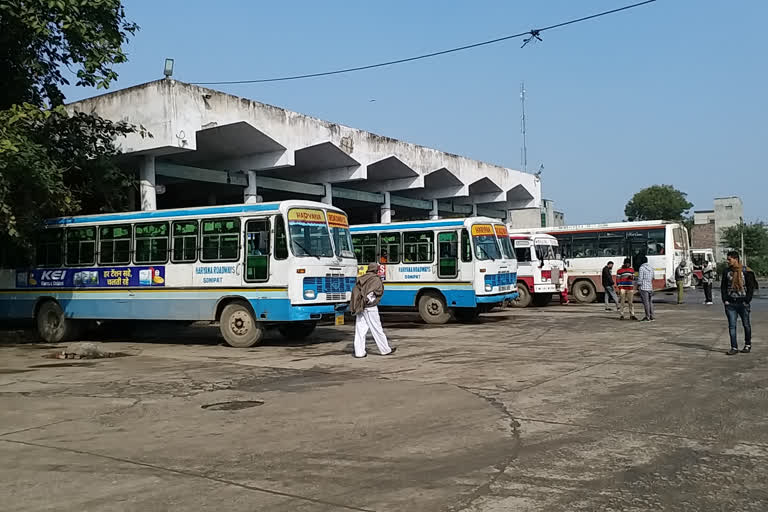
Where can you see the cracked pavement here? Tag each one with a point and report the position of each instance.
(543, 409)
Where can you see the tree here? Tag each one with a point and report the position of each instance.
(755, 244)
(54, 163)
(659, 202)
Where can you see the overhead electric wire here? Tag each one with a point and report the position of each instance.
(532, 33)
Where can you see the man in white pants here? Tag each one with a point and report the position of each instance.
(364, 305)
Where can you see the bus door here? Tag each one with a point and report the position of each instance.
(447, 255)
(636, 247)
(257, 251)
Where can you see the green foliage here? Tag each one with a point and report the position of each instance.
(755, 244)
(41, 38)
(659, 202)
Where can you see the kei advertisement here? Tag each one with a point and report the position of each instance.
(102, 277)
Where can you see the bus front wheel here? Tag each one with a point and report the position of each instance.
(53, 326)
(523, 299)
(297, 331)
(432, 308)
(584, 292)
(239, 328)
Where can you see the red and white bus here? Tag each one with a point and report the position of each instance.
(540, 268)
(588, 248)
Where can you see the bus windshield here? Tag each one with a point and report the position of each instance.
(309, 233)
(342, 241)
(506, 243)
(486, 247)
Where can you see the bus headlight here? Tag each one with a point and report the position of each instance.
(488, 288)
(309, 294)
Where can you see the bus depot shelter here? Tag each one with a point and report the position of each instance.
(209, 147)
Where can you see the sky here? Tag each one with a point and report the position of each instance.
(674, 92)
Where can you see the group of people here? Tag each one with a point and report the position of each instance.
(737, 288)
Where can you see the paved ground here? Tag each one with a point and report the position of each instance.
(553, 409)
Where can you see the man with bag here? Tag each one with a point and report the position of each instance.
(736, 289)
(366, 296)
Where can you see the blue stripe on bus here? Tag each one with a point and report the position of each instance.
(406, 225)
(461, 298)
(196, 212)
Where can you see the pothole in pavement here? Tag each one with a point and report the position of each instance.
(233, 405)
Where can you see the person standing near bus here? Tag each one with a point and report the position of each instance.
(366, 296)
(707, 278)
(645, 287)
(625, 278)
(608, 284)
(736, 289)
(680, 272)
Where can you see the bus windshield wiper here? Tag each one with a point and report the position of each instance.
(307, 253)
(486, 252)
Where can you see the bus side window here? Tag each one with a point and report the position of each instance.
(184, 241)
(565, 245)
(49, 248)
(585, 246)
(466, 246)
(523, 254)
(151, 243)
(257, 250)
(364, 246)
(418, 247)
(656, 242)
(390, 247)
(221, 239)
(281, 240)
(115, 244)
(81, 246)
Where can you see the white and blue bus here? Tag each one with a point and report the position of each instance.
(250, 266)
(459, 266)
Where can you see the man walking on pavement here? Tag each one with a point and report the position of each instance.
(608, 285)
(625, 278)
(736, 289)
(645, 286)
(707, 278)
(680, 272)
(366, 295)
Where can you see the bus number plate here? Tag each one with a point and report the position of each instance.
(505, 288)
(339, 318)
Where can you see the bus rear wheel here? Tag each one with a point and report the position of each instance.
(584, 292)
(542, 299)
(523, 299)
(297, 331)
(238, 326)
(432, 308)
(466, 315)
(53, 326)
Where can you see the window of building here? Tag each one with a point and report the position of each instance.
(364, 246)
(151, 241)
(281, 239)
(220, 239)
(418, 247)
(81, 246)
(184, 241)
(49, 249)
(390, 247)
(115, 244)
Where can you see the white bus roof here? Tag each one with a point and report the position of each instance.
(188, 212)
(423, 224)
(598, 227)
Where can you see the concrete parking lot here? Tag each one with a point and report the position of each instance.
(562, 408)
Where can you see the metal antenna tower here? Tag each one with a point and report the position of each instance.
(524, 149)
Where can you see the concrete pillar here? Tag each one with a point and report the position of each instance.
(434, 213)
(474, 210)
(147, 183)
(251, 195)
(328, 197)
(386, 210)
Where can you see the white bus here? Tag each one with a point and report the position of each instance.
(540, 268)
(459, 266)
(285, 264)
(588, 248)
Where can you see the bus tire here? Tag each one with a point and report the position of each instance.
(542, 299)
(523, 299)
(432, 308)
(297, 331)
(466, 315)
(584, 292)
(52, 325)
(239, 327)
